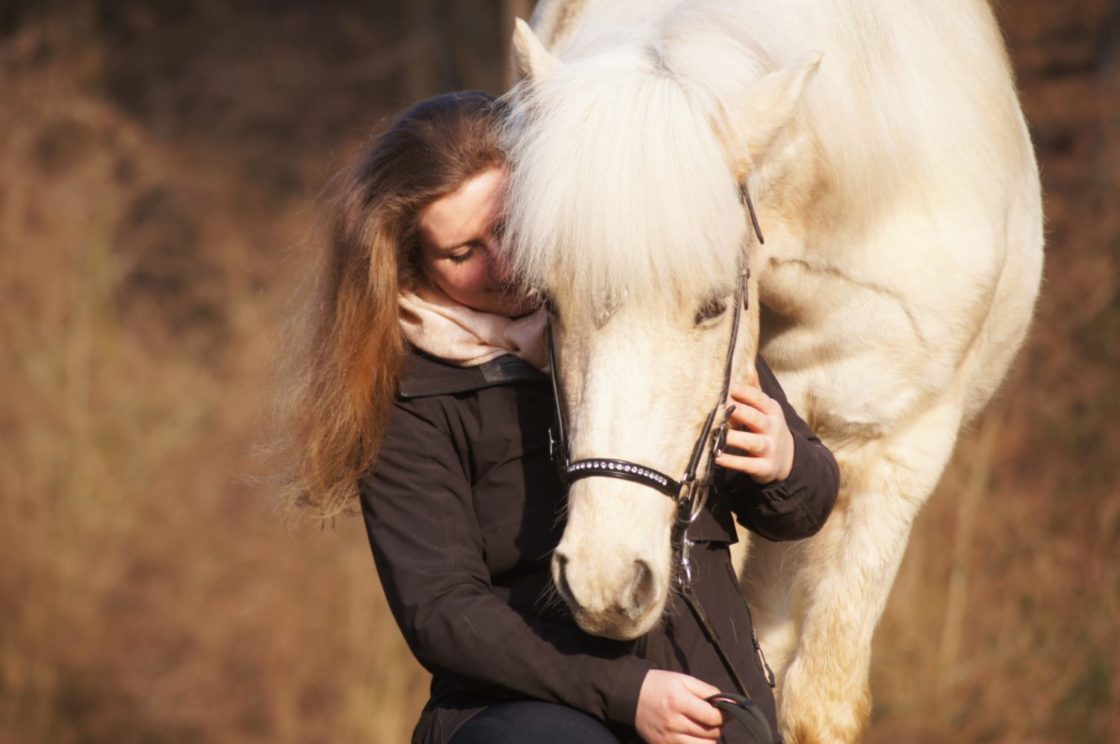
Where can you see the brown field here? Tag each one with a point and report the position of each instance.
(159, 164)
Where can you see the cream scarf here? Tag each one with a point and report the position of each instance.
(436, 324)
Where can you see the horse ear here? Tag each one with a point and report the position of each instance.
(530, 59)
(767, 107)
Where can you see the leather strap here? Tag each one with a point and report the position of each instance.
(741, 709)
(705, 624)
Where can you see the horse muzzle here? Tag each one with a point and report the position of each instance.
(621, 598)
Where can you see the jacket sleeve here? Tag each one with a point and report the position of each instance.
(797, 506)
(427, 545)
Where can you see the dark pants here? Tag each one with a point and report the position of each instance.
(532, 721)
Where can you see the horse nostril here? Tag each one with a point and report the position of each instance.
(642, 590)
(560, 574)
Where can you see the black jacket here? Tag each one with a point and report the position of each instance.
(463, 512)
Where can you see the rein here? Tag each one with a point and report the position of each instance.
(689, 494)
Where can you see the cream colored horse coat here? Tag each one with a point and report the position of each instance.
(901, 207)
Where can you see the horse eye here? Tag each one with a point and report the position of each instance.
(713, 308)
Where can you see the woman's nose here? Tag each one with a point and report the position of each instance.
(498, 265)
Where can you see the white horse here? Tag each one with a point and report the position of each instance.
(896, 186)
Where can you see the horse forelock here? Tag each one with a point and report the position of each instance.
(618, 184)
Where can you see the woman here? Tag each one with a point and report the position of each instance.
(423, 394)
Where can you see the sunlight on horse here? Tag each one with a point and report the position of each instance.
(897, 189)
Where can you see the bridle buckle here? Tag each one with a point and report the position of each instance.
(684, 578)
(554, 446)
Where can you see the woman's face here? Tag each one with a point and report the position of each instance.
(458, 246)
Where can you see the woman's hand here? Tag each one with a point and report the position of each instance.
(757, 427)
(672, 709)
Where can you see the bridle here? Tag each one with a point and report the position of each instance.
(688, 492)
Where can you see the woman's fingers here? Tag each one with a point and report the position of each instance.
(757, 467)
(697, 706)
(752, 395)
(686, 739)
(684, 725)
(672, 708)
(699, 687)
(753, 409)
(749, 442)
(758, 436)
(700, 718)
(745, 417)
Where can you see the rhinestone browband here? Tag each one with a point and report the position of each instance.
(625, 470)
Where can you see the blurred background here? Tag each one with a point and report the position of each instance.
(159, 164)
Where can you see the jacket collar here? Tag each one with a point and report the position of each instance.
(424, 375)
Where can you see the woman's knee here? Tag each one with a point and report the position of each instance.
(532, 721)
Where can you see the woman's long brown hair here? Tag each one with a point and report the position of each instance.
(347, 347)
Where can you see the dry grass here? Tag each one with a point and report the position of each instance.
(147, 591)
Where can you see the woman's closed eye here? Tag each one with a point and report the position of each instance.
(465, 252)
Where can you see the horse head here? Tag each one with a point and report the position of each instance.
(626, 167)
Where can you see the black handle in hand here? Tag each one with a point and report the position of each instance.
(741, 709)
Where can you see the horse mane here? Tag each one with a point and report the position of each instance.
(620, 185)
(625, 199)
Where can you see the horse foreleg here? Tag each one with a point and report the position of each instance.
(767, 577)
(841, 578)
